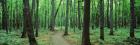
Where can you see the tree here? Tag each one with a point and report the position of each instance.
(33, 7)
(133, 19)
(85, 34)
(28, 23)
(34, 12)
(52, 24)
(4, 15)
(17, 16)
(108, 23)
(111, 17)
(37, 18)
(67, 20)
(97, 16)
(93, 14)
(79, 15)
(116, 6)
(101, 19)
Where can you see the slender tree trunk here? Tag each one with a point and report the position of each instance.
(118, 20)
(14, 12)
(33, 8)
(74, 14)
(48, 13)
(52, 24)
(108, 23)
(67, 20)
(86, 34)
(133, 19)
(102, 19)
(116, 6)
(5, 16)
(79, 13)
(70, 13)
(97, 16)
(45, 25)
(11, 12)
(17, 16)
(111, 17)
(37, 18)
(92, 14)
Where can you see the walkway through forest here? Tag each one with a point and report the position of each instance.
(57, 39)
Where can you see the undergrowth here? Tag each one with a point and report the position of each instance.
(119, 37)
(13, 38)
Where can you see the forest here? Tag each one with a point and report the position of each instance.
(69, 22)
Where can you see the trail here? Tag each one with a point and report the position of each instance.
(57, 39)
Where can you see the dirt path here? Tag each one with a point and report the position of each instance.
(57, 39)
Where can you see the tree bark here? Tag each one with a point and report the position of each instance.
(108, 23)
(67, 20)
(133, 19)
(37, 18)
(116, 6)
(85, 34)
(17, 16)
(28, 20)
(5, 16)
(111, 17)
(52, 24)
(101, 19)
(79, 15)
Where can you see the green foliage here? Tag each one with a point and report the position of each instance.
(118, 39)
(121, 9)
(11, 39)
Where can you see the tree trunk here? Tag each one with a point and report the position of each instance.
(37, 18)
(85, 34)
(52, 24)
(28, 20)
(79, 13)
(111, 17)
(92, 15)
(133, 19)
(97, 17)
(102, 19)
(17, 16)
(67, 20)
(4, 16)
(116, 6)
(108, 23)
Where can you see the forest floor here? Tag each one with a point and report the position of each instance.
(120, 36)
(58, 39)
(13, 38)
(47, 37)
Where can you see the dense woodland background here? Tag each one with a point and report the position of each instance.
(69, 22)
